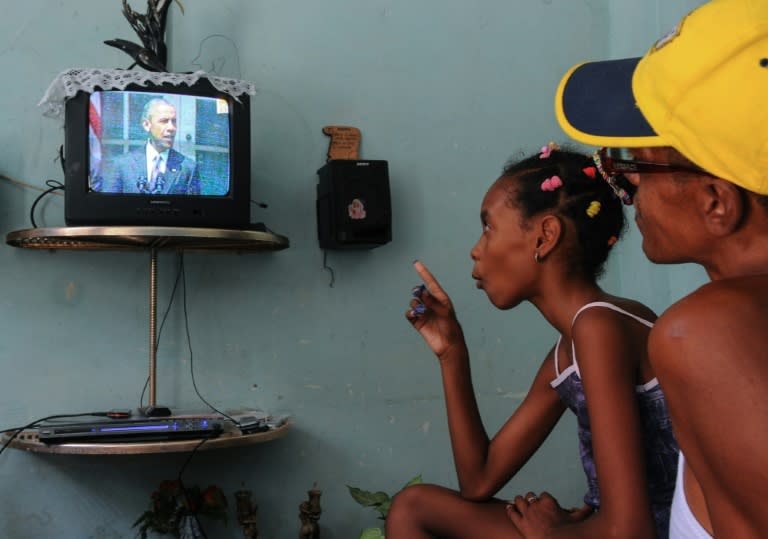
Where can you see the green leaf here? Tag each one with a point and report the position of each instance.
(367, 498)
(372, 533)
(379, 501)
(415, 481)
(384, 508)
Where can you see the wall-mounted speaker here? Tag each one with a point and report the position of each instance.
(353, 204)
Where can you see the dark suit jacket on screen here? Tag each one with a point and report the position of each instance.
(127, 173)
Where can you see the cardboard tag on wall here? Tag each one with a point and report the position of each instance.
(345, 142)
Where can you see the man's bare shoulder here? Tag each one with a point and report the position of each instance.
(710, 352)
(721, 301)
(721, 317)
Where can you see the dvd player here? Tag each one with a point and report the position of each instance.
(130, 430)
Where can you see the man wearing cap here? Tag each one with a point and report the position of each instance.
(693, 115)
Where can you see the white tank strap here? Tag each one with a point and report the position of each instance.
(613, 308)
(583, 308)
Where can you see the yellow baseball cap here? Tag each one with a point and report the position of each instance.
(702, 89)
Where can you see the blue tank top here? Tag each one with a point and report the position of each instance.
(660, 446)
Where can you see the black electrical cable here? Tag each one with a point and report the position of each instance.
(328, 268)
(53, 185)
(189, 346)
(184, 490)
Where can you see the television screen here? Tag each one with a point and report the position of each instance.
(158, 154)
(147, 143)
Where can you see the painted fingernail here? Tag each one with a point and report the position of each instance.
(420, 309)
(417, 290)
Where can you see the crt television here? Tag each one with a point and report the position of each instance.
(203, 134)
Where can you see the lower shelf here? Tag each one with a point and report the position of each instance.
(29, 441)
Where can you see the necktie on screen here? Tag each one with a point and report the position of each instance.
(155, 173)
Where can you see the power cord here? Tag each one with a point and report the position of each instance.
(328, 268)
(189, 346)
(184, 490)
(53, 185)
(181, 277)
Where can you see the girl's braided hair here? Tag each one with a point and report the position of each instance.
(567, 183)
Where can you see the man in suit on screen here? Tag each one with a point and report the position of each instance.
(155, 168)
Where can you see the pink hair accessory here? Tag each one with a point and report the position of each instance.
(547, 150)
(550, 184)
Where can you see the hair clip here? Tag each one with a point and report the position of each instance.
(612, 240)
(550, 184)
(593, 209)
(623, 195)
(547, 150)
(590, 172)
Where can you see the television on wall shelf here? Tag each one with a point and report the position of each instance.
(164, 150)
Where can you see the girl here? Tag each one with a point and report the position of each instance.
(549, 223)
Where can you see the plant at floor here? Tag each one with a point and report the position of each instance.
(380, 501)
(173, 507)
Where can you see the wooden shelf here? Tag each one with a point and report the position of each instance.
(28, 440)
(134, 238)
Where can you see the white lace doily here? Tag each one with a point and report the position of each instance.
(69, 82)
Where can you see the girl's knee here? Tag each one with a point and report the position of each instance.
(410, 504)
(410, 497)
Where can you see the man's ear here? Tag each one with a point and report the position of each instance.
(550, 231)
(723, 206)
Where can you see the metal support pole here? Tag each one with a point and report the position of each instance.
(153, 327)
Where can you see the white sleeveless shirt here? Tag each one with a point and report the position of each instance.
(682, 523)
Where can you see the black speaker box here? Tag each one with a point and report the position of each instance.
(353, 204)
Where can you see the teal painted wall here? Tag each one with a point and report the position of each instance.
(446, 92)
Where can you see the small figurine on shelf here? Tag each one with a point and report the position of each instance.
(246, 514)
(309, 513)
(174, 509)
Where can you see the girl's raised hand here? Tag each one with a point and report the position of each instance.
(431, 313)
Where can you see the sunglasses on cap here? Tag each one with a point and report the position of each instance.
(616, 161)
